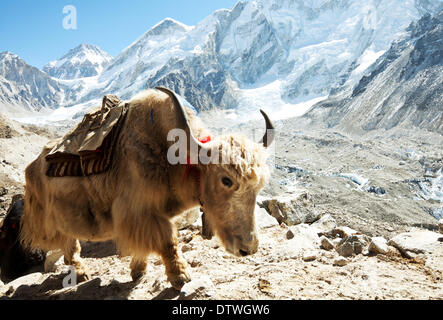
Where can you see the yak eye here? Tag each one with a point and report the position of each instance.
(227, 182)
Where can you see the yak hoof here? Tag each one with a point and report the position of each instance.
(83, 276)
(179, 281)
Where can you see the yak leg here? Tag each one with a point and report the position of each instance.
(138, 268)
(72, 257)
(176, 267)
(206, 228)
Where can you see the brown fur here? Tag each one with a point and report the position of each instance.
(134, 201)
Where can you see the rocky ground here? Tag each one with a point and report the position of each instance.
(384, 185)
(283, 268)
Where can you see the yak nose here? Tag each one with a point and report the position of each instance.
(248, 247)
(243, 253)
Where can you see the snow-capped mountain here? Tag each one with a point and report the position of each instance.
(26, 88)
(85, 60)
(279, 55)
(404, 86)
(290, 50)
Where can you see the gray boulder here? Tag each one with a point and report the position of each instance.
(198, 287)
(291, 210)
(28, 280)
(410, 244)
(263, 219)
(378, 245)
(302, 238)
(352, 245)
(187, 218)
(325, 224)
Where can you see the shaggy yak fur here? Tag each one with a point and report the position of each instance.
(134, 201)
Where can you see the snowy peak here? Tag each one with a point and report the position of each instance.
(85, 60)
(26, 88)
(9, 62)
(6, 55)
(168, 26)
(288, 51)
(274, 54)
(13, 68)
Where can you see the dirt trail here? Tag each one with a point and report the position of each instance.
(269, 274)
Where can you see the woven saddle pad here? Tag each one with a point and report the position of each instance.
(88, 148)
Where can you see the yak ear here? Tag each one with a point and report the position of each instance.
(268, 137)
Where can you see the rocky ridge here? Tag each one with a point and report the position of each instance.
(403, 88)
(24, 88)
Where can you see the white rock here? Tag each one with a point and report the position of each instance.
(325, 224)
(197, 223)
(200, 286)
(344, 231)
(263, 219)
(28, 280)
(187, 218)
(313, 216)
(416, 242)
(378, 245)
(304, 237)
(336, 241)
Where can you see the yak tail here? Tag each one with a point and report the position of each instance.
(31, 223)
(34, 233)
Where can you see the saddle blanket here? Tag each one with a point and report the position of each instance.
(87, 149)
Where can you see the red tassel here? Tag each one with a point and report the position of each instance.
(188, 159)
(205, 139)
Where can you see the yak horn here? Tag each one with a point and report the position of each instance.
(269, 135)
(182, 113)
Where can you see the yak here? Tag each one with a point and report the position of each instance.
(134, 201)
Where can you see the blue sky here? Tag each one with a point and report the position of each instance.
(34, 29)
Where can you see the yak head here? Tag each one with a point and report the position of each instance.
(233, 170)
(229, 190)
